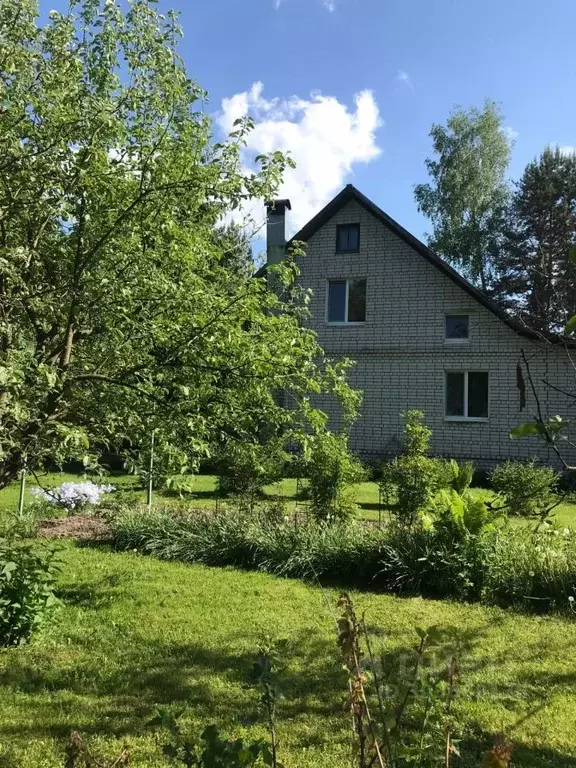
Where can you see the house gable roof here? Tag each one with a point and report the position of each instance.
(350, 193)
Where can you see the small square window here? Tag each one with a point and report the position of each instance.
(346, 301)
(457, 328)
(467, 394)
(347, 238)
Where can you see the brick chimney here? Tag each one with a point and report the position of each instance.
(276, 230)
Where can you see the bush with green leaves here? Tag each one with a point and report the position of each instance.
(413, 481)
(26, 581)
(462, 514)
(528, 490)
(416, 435)
(245, 468)
(332, 472)
(179, 485)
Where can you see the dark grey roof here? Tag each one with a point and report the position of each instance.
(350, 193)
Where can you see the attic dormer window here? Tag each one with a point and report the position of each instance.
(347, 238)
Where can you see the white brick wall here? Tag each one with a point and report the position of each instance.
(401, 355)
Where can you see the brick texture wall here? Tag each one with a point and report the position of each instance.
(401, 355)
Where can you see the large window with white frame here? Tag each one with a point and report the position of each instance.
(346, 301)
(466, 395)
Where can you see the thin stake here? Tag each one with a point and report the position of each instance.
(22, 490)
(150, 470)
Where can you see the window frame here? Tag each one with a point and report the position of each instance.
(339, 228)
(346, 322)
(465, 417)
(447, 339)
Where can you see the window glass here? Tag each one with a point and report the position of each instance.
(348, 238)
(478, 394)
(356, 301)
(457, 326)
(454, 394)
(337, 301)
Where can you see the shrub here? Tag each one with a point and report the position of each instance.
(74, 497)
(26, 578)
(413, 481)
(332, 471)
(245, 468)
(415, 433)
(527, 489)
(413, 478)
(22, 524)
(433, 562)
(462, 515)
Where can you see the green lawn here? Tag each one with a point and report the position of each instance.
(133, 632)
(205, 496)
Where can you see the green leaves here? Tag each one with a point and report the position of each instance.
(467, 195)
(552, 427)
(570, 326)
(525, 430)
(26, 578)
(125, 305)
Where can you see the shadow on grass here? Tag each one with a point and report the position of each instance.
(95, 594)
(89, 692)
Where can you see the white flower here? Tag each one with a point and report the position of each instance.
(73, 496)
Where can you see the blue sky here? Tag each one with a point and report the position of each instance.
(412, 61)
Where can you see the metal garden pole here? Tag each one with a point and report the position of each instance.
(22, 491)
(150, 470)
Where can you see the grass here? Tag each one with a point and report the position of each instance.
(133, 632)
(205, 496)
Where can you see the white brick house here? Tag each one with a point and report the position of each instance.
(422, 337)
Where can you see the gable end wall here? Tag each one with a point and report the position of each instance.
(401, 356)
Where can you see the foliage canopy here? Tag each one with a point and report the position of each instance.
(122, 310)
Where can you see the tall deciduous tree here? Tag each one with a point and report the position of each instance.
(119, 311)
(467, 195)
(537, 276)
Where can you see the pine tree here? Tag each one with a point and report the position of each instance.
(537, 278)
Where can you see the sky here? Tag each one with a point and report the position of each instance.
(352, 87)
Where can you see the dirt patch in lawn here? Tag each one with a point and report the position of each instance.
(79, 527)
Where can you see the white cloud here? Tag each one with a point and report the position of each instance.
(510, 133)
(405, 78)
(330, 5)
(323, 136)
(567, 149)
